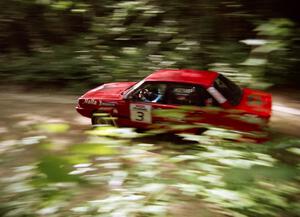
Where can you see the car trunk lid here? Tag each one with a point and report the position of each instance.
(256, 102)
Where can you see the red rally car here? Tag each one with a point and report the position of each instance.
(133, 104)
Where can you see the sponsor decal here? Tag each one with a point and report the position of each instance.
(183, 91)
(109, 104)
(254, 100)
(90, 101)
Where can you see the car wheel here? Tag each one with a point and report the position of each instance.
(102, 118)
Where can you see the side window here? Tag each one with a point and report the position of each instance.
(150, 92)
(187, 94)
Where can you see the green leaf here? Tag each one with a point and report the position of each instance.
(93, 149)
(54, 128)
(57, 169)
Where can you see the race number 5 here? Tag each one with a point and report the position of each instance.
(140, 113)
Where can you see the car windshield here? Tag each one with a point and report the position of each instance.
(132, 88)
(232, 92)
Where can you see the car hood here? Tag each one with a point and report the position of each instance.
(109, 91)
(256, 102)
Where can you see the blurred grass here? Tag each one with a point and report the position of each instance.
(136, 178)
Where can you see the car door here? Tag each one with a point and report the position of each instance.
(191, 101)
(154, 103)
(138, 106)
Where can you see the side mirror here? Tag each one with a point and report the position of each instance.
(127, 97)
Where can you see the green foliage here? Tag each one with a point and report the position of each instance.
(117, 171)
(76, 43)
(53, 128)
(56, 169)
(93, 149)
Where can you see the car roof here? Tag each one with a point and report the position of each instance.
(204, 78)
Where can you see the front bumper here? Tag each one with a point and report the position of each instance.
(84, 111)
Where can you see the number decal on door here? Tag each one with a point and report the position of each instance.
(140, 113)
(140, 116)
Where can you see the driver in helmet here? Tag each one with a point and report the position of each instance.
(150, 94)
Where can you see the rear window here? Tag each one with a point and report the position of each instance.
(231, 91)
